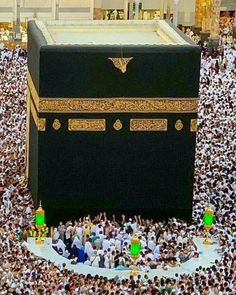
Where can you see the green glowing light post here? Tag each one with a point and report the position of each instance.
(135, 253)
(40, 223)
(208, 219)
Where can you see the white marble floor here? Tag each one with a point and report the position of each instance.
(208, 256)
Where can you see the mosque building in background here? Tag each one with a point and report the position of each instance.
(201, 16)
(182, 11)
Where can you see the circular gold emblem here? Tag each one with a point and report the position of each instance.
(56, 124)
(117, 125)
(179, 125)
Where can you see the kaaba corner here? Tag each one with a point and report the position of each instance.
(111, 117)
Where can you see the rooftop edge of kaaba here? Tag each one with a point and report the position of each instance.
(112, 118)
(57, 77)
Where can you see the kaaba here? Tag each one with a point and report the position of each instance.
(111, 118)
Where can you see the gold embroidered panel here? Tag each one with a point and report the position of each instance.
(148, 124)
(86, 124)
(193, 125)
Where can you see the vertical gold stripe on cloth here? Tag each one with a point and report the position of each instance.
(39, 122)
(33, 91)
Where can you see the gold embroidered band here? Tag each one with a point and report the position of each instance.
(112, 105)
(39, 122)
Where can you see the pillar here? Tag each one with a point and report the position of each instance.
(97, 10)
(198, 14)
(91, 7)
(161, 9)
(176, 12)
(215, 18)
(131, 9)
(53, 16)
(136, 9)
(18, 32)
(206, 6)
(215, 21)
(126, 3)
(57, 10)
(168, 10)
(206, 15)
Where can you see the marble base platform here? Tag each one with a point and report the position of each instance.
(206, 259)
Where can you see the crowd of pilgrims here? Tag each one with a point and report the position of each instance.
(105, 242)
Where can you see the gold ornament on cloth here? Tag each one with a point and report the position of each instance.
(193, 125)
(179, 125)
(121, 62)
(117, 125)
(56, 124)
(41, 124)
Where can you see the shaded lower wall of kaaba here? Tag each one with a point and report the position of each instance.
(148, 173)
